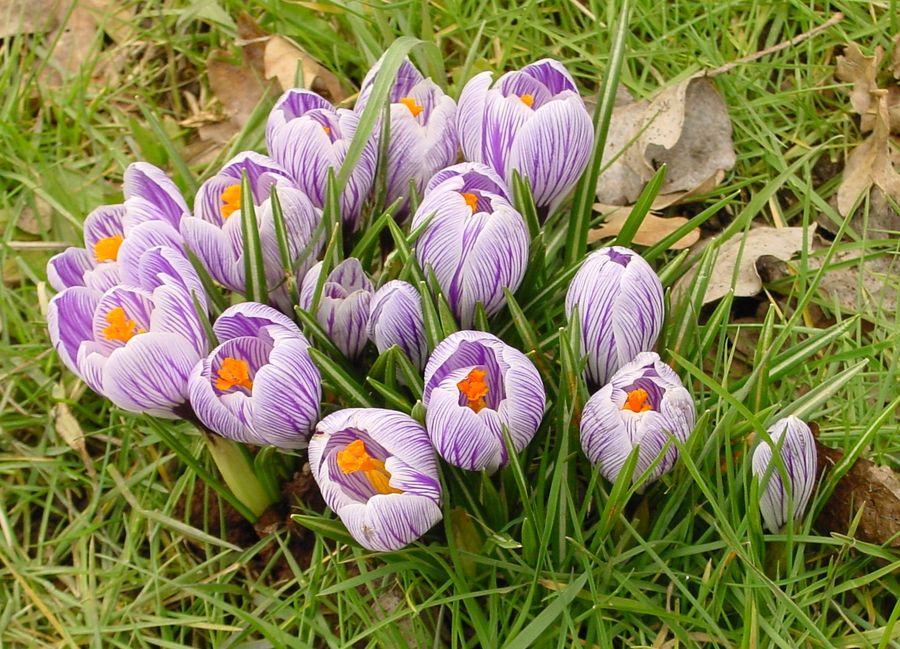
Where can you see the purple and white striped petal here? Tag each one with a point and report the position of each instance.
(793, 439)
(469, 176)
(643, 405)
(407, 77)
(68, 268)
(397, 498)
(620, 308)
(70, 317)
(395, 318)
(150, 195)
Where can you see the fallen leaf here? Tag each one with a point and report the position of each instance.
(859, 283)
(19, 17)
(867, 486)
(35, 219)
(877, 220)
(731, 271)
(685, 126)
(70, 430)
(652, 230)
(282, 60)
(870, 163)
(895, 59)
(75, 40)
(853, 67)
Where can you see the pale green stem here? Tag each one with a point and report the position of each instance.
(238, 473)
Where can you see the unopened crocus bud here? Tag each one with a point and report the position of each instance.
(215, 235)
(395, 318)
(309, 137)
(377, 470)
(620, 309)
(475, 386)
(778, 500)
(645, 405)
(475, 242)
(532, 121)
(422, 129)
(344, 304)
(259, 385)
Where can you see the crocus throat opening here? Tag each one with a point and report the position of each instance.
(120, 327)
(474, 388)
(355, 458)
(528, 100)
(638, 401)
(471, 201)
(410, 103)
(233, 372)
(107, 248)
(231, 201)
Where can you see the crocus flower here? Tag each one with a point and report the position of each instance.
(474, 176)
(475, 242)
(344, 304)
(135, 344)
(259, 386)
(395, 318)
(150, 196)
(377, 471)
(214, 232)
(308, 137)
(422, 129)
(794, 441)
(645, 405)
(533, 121)
(475, 385)
(620, 306)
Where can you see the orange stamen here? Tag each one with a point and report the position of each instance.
(528, 100)
(231, 201)
(120, 327)
(107, 249)
(637, 401)
(327, 130)
(410, 103)
(471, 201)
(474, 388)
(233, 373)
(355, 458)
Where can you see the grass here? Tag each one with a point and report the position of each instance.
(96, 548)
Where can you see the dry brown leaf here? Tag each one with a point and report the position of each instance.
(853, 67)
(281, 61)
(35, 219)
(870, 163)
(685, 126)
(18, 17)
(895, 59)
(70, 430)
(75, 39)
(653, 229)
(728, 270)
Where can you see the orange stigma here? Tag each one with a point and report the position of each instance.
(471, 201)
(233, 372)
(120, 327)
(327, 130)
(474, 389)
(410, 103)
(231, 201)
(637, 401)
(355, 458)
(528, 100)
(107, 248)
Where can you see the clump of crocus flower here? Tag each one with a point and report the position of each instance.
(644, 405)
(475, 387)
(474, 241)
(377, 471)
(620, 309)
(785, 494)
(532, 121)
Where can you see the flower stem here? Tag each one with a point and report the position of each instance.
(238, 473)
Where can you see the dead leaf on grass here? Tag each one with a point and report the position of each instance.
(68, 428)
(860, 70)
(653, 229)
(685, 126)
(19, 17)
(282, 59)
(742, 274)
(35, 219)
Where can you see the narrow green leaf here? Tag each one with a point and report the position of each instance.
(284, 250)
(255, 287)
(433, 330)
(393, 398)
(347, 386)
(538, 626)
(524, 202)
(641, 208)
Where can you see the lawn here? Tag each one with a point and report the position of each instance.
(108, 539)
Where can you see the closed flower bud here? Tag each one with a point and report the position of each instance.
(778, 499)
(532, 121)
(343, 306)
(395, 318)
(620, 309)
(475, 386)
(377, 470)
(259, 386)
(475, 242)
(645, 405)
